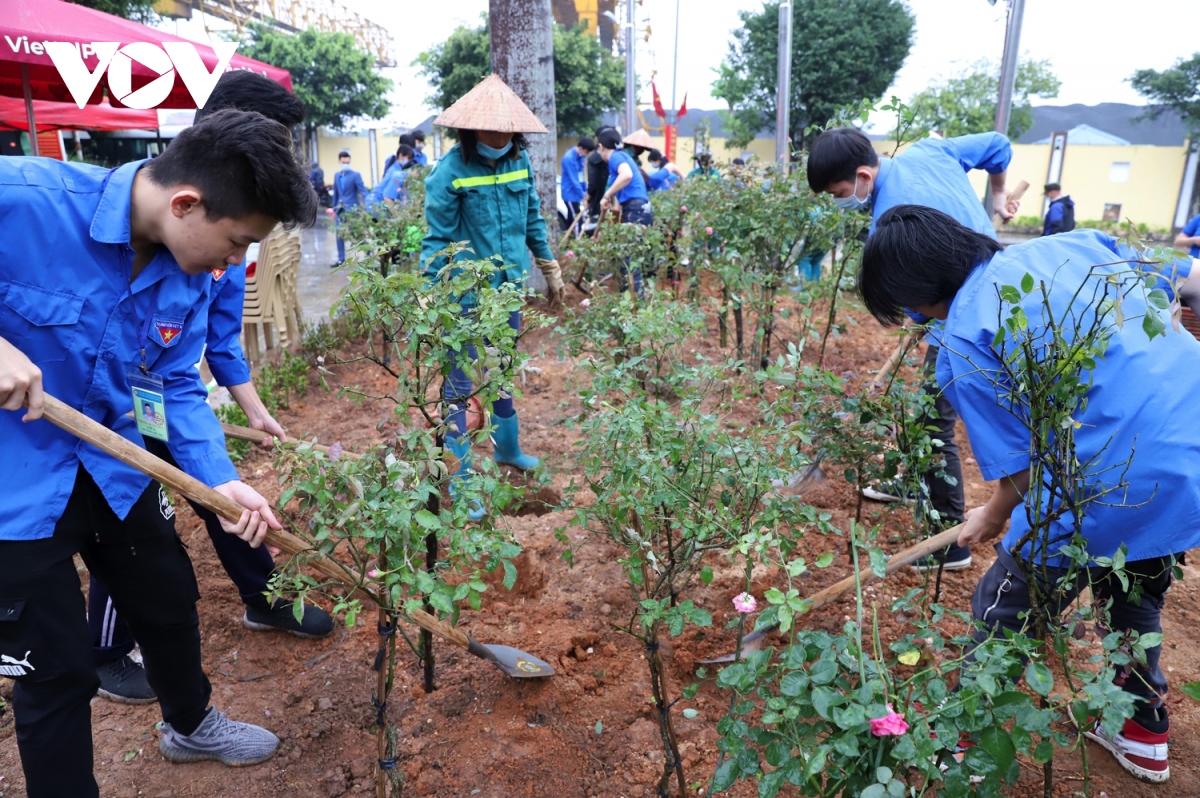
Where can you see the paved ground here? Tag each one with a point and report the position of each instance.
(319, 285)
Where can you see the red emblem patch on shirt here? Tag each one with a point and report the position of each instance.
(218, 273)
(167, 330)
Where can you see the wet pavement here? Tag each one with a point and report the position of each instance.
(319, 285)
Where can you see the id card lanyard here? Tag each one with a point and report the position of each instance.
(149, 407)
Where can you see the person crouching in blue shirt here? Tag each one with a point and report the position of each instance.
(932, 172)
(627, 187)
(348, 192)
(119, 304)
(665, 174)
(571, 183)
(1134, 430)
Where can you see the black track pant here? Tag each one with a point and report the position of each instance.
(44, 642)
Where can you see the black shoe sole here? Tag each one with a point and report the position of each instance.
(266, 627)
(957, 565)
(124, 699)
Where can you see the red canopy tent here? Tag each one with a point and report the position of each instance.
(55, 116)
(26, 71)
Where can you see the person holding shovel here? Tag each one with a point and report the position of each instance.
(482, 192)
(932, 172)
(1134, 431)
(117, 308)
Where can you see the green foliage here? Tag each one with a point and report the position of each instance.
(232, 414)
(587, 80)
(137, 10)
(966, 103)
(842, 51)
(1176, 89)
(277, 383)
(335, 80)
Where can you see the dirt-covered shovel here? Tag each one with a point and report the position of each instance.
(512, 661)
(754, 641)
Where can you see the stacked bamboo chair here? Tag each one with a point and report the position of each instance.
(272, 305)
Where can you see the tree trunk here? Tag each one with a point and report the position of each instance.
(522, 39)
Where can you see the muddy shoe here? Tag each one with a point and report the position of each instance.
(228, 741)
(1137, 749)
(315, 622)
(124, 681)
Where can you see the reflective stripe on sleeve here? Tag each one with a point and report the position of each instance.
(491, 180)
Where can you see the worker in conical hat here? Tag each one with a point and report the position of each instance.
(482, 192)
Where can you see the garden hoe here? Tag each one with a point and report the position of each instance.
(512, 661)
(754, 641)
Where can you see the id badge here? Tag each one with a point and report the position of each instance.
(149, 409)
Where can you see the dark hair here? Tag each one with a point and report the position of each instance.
(242, 163)
(603, 128)
(918, 256)
(836, 154)
(587, 144)
(467, 139)
(739, 162)
(407, 152)
(655, 156)
(1052, 187)
(418, 135)
(407, 138)
(609, 139)
(250, 91)
(343, 154)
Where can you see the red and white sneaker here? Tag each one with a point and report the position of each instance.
(1141, 752)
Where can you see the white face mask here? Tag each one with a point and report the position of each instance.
(852, 202)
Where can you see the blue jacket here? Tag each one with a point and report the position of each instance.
(223, 349)
(495, 209)
(66, 302)
(393, 186)
(1140, 399)
(348, 190)
(571, 185)
(376, 192)
(420, 158)
(1192, 228)
(635, 189)
(1056, 216)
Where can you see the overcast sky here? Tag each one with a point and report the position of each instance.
(1093, 45)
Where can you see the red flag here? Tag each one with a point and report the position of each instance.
(682, 108)
(658, 107)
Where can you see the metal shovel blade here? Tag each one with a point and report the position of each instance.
(513, 661)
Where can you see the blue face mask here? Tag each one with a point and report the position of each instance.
(492, 152)
(852, 202)
(345, 167)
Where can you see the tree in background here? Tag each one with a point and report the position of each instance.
(966, 103)
(137, 10)
(587, 80)
(335, 80)
(1176, 89)
(842, 51)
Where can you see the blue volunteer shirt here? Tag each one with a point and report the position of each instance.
(420, 157)
(223, 349)
(1192, 228)
(1141, 401)
(636, 188)
(393, 185)
(67, 303)
(571, 184)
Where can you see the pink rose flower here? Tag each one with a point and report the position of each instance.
(683, 209)
(585, 303)
(374, 573)
(708, 230)
(744, 602)
(570, 254)
(891, 724)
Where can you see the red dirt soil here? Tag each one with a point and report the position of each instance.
(484, 734)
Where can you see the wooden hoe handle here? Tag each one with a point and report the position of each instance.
(258, 436)
(442, 630)
(903, 558)
(1015, 194)
(135, 456)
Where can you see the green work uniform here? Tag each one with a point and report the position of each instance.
(495, 209)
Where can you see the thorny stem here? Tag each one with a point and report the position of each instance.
(837, 283)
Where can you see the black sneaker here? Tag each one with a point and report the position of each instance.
(890, 492)
(124, 681)
(315, 623)
(954, 557)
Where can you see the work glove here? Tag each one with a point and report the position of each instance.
(555, 290)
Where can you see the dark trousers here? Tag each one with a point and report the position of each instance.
(635, 212)
(458, 389)
(572, 212)
(43, 633)
(947, 499)
(1003, 596)
(250, 569)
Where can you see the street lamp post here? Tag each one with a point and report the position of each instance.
(783, 92)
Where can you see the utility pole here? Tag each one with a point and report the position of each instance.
(1008, 77)
(783, 80)
(522, 39)
(631, 66)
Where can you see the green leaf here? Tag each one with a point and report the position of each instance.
(1027, 283)
(1192, 690)
(1043, 752)
(878, 562)
(874, 791)
(510, 575)
(706, 575)
(690, 691)
(1039, 678)
(996, 741)
(726, 775)
(825, 560)
(1010, 294)
(599, 727)
(690, 713)
(427, 520)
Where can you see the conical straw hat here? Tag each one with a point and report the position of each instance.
(491, 105)
(639, 138)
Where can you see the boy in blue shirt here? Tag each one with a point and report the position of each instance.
(571, 185)
(1189, 237)
(119, 302)
(932, 172)
(348, 192)
(122, 679)
(626, 184)
(1134, 430)
(418, 145)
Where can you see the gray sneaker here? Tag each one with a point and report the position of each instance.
(236, 744)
